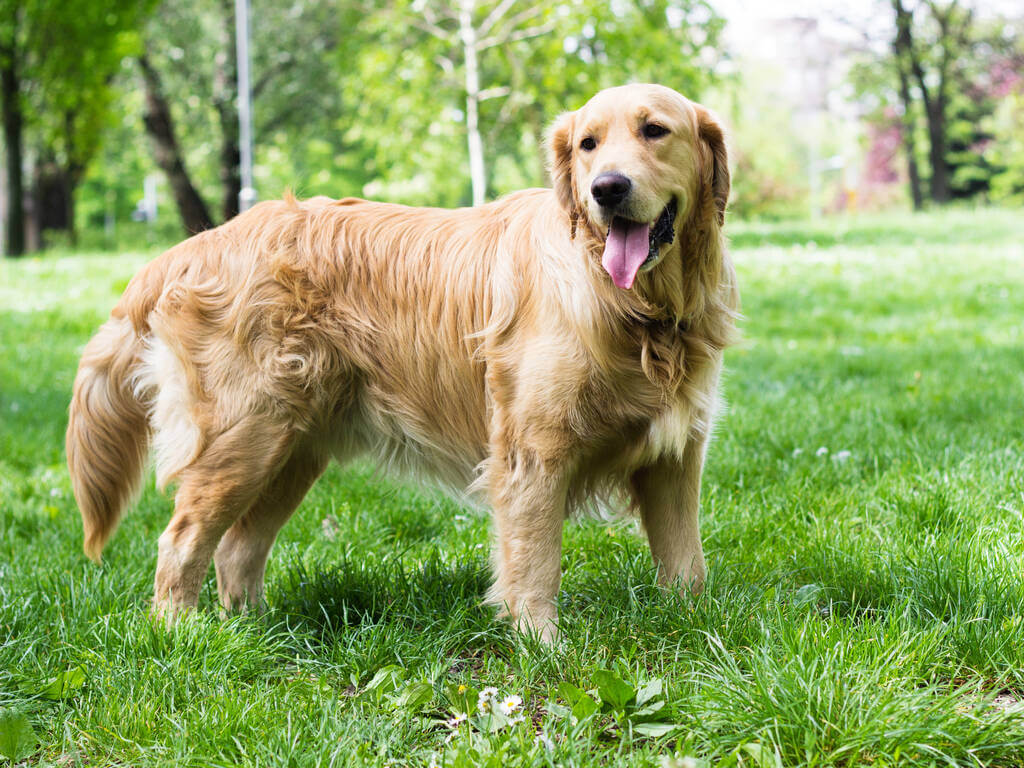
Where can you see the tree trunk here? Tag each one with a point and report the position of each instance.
(477, 171)
(225, 100)
(53, 199)
(73, 171)
(54, 186)
(939, 182)
(941, 188)
(934, 102)
(10, 99)
(901, 44)
(160, 127)
(910, 144)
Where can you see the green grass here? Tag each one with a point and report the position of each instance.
(863, 517)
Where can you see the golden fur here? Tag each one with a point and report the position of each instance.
(483, 347)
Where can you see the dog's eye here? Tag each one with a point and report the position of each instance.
(655, 131)
(588, 144)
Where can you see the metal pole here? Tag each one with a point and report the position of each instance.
(247, 195)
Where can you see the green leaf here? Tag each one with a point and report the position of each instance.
(581, 705)
(464, 701)
(808, 594)
(17, 739)
(570, 693)
(584, 708)
(614, 692)
(492, 722)
(648, 711)
(64, 685)
(654, 730)
(761, 755)
(415, 696)
(385, 681)
(648, 692)
(557, 710)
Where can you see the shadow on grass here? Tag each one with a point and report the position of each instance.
(430, 597)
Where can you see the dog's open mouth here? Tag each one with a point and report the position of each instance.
(632, 245)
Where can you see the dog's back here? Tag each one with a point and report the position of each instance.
(358, 325)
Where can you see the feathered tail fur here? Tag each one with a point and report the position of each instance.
(108, 433)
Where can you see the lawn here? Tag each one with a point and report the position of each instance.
(863, 517)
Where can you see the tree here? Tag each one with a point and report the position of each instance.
(934, 72)
(56, 64)
(353, 97)
(931, 68)
(13, 120)
(532, 61)
(1005, 152)
(167, 153)
(189, 73)
(902, 47)
(468, 28)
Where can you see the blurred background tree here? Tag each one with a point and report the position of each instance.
(57, 64)
(533, 61)
(945, 73)
(445, 102)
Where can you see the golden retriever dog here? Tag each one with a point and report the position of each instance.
(553, 350)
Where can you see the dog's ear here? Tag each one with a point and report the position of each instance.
(560, 161)
(716, 174)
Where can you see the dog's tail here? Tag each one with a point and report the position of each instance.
(108, 433)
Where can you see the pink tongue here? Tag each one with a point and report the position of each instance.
(625, 250)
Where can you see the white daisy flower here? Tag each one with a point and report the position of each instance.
(458, 719)
(545, 740)
(486, 698)
(509, 704)
(823, 451)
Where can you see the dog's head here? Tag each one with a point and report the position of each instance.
(634, 164)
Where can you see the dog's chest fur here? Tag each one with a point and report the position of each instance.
(648, 399)
(682, 406)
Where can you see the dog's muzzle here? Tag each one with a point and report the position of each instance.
(633, 245)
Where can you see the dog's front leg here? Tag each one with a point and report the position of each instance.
(667, 494)
(528, 496)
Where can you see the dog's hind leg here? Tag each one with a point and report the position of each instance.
(215, 490)
(667, 494)
(241, 557)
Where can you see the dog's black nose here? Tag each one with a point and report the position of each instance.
(610, 189)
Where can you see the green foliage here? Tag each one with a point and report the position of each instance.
(351, 100)
(77, 47)
(66, 56)
(977, 55)
(1007, 151)
(416, 143)
(64, 685)
(17, 739)
(59, 60)
(627, 709)
(768, 155)
(300, 59)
